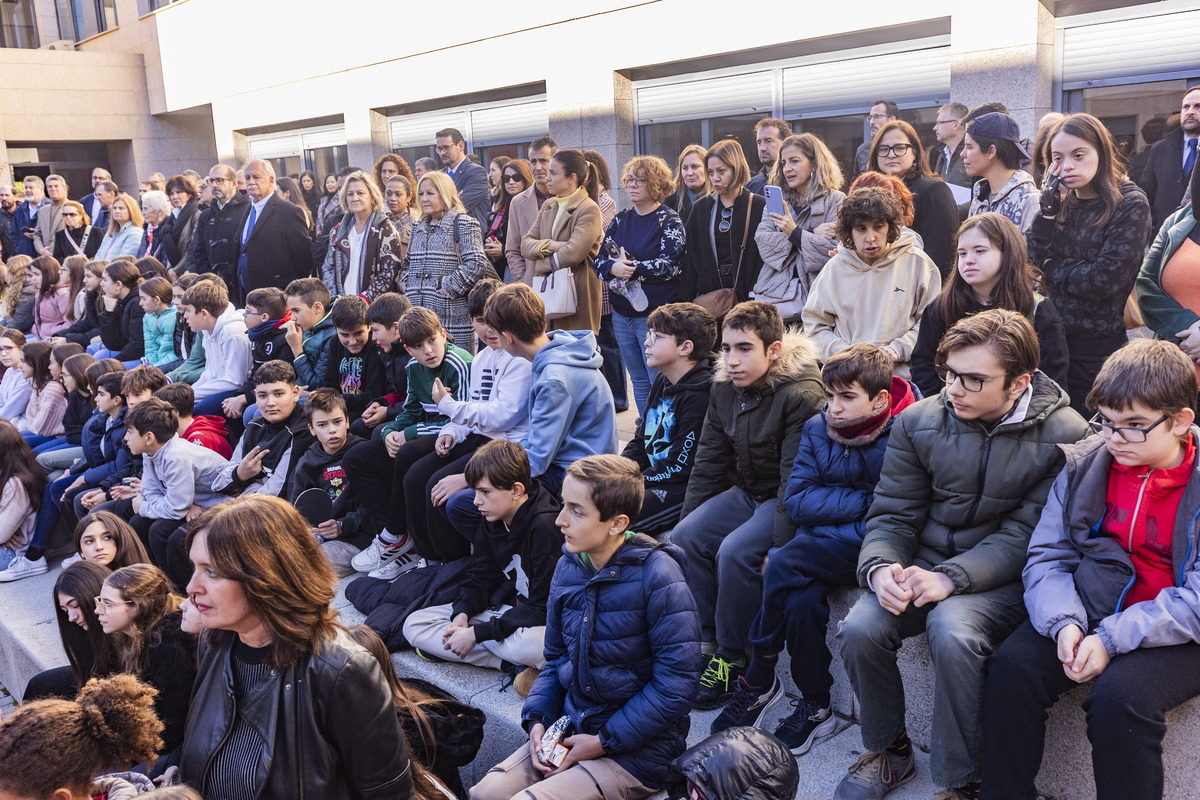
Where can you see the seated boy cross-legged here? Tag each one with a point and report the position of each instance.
(1112, 587)
(828, 494)
(622, 652)
(518, 545)
(732, 515)
(964, 479)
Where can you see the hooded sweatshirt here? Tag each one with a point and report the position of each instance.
(571, 411)
(497, 404)
(286, 440)
(664, 445)
(226, 356)
(177, 477)
(513, 564)
(751, 434)
(268, 342)
(209, 431)
(1018, 200)
(318, 469)
(852, 301)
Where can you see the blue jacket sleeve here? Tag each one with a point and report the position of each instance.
(548, 421)
(547, 695)
(810, 499)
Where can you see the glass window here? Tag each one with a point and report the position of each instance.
(841, 134)
(86, 18)
(17, 28)
(667, 139)
(1126, 109)
(326, 160)
(414, 154)
(488, 152)
(288, 165)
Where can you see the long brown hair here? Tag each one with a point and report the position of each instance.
(74, 265)
(147, 588)
(90, 652)
(920, 165)
(48, 745)
(1110, 172)
(130, 549)
(48, 266)
(265, 545)
(1015, 281)
(700, 153)
(19, 462)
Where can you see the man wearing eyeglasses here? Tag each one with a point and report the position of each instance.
(882, 111)
(964, 479)
(945, 157)
(216, 244)
(470, 179)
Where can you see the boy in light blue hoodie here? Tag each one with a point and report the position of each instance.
(571, 410)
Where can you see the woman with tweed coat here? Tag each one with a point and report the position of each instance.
(364, 248)
(445, 257)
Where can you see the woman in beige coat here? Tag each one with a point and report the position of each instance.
(566, 235)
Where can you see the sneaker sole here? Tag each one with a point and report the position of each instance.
(10, 578)
(821, 732)
(389, 576)
(886, 789)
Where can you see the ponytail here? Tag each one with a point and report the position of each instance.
(574, 162)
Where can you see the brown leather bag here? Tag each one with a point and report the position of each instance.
(720, 302)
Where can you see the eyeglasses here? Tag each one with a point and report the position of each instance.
(634, 181)
(511, 178)
(219, 180)
(7, 348)
(726, 220)
(107, 604)
(248, 313)
(895, 149)
(443, 148)
(652, 338)
(945, 122)
(1130, 435)
(70, 213)
(972, 383)
(874, 117)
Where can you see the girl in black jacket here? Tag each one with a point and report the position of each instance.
(83, 330)
(1089, 242)
(121, 315)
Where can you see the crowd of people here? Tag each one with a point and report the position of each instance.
(245, 388)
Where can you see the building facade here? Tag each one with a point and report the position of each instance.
(152, 85)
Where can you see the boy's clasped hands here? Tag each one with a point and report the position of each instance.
(897, 586)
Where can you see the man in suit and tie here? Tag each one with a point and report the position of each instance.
(470, 179)
(102, 198)
(90, 203)
(276, 247)
(523, 209)
(1171, 161)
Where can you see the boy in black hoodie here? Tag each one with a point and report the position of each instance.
(353, 366)
(679, 346)
(383, 318)
(349, 530)
(266, 316)
(500, 613)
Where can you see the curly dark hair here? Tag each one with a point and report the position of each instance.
(869, 205)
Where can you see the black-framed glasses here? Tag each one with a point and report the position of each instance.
(972, 383)
(886, 150)
(726, 220)
(510, 177)
(1131, 435)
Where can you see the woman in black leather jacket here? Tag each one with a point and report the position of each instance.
(286, 704)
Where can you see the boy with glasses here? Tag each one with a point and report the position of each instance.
(964, 479)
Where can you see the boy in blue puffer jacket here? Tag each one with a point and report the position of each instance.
(622, 651)
(827, 495)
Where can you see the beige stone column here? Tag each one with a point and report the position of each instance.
(592, 108)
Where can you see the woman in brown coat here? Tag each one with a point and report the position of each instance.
(566, 235)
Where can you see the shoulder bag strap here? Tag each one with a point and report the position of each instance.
(745, 238)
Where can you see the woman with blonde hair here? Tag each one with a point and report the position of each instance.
(722, 252)
(263, 590)
(691, 181)
(138, 610)
(364, 247)
(124, 234)
(19, 295)
(445, 257)
(78, 235)
(566, 235)
(795, 245)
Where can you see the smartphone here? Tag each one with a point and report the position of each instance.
(28, 230)
(774, 196)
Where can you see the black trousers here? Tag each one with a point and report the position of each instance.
(1126, 715)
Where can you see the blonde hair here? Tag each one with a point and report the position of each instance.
(135, 214)
(15, 269)
(372, 189)
(826, 174)
(443, 184)
(83, 215)
(702, 154)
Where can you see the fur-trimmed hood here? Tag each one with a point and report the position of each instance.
(799, 353)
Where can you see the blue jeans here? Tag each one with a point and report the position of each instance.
(631, 341)
(211, 406)
(57, 443)
(34, 440)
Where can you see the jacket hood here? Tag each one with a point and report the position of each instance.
(698, 379)
(902, 394)
(639, 547)
(799, 353)
(207, 424)
(899, 249)
(230, 316)
(982, 189)
(1047, 398)
(570, 349)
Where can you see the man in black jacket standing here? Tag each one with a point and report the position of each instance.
(216, 245)
(1171, 161)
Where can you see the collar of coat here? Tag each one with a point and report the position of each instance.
(798, 354)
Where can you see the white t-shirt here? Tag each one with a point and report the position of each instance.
(354, 274)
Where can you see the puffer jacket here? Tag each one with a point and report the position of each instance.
(105, 455)
(751, 435)
(328, 722)
(959, 499)
(830, 488)
(740, 763)
(1163, 314)
(1074, 576)
(622, 655)
(782, 253)
(381, 257)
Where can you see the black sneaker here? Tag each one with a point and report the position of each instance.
(749, 705)
(717, 683)
(801, 729)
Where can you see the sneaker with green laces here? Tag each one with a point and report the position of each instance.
(717, 683)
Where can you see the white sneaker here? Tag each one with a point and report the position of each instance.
(396, 566)
(21, 567)
(71, 559)
(378, 553)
